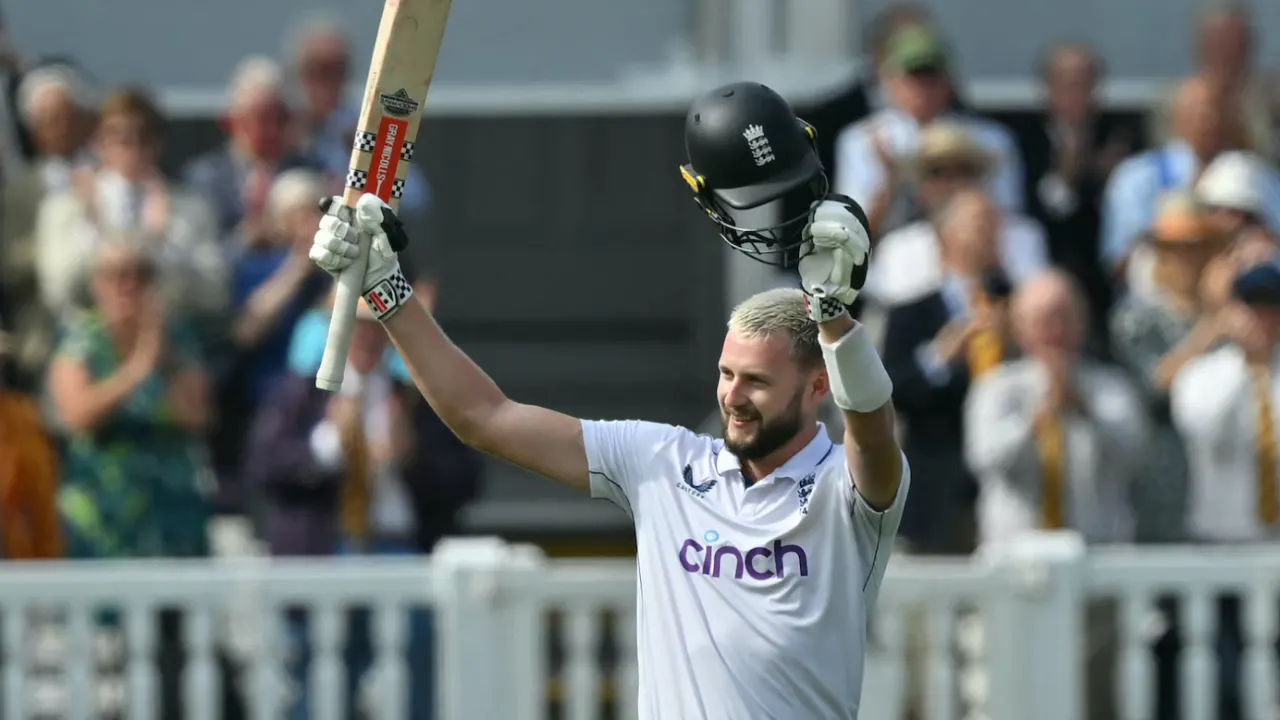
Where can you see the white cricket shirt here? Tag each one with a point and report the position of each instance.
(752, 602)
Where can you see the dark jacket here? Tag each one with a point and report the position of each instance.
(300, 500)
(939, 512)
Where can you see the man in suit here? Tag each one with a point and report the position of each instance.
(1056, 442)
(237, 176)
(1070, 148)
(933, 348)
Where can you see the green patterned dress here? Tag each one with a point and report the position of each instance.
(134, 487)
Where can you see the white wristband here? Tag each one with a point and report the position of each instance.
(859, 382)
(388, 295)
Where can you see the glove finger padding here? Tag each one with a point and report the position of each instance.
(333, 237)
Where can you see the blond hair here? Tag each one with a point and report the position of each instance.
(765, 314)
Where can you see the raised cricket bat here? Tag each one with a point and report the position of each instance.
(404, 58)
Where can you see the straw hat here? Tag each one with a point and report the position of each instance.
(1178, 220)
(947, 143)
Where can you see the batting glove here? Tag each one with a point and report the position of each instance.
(834, 266)
(335, 247)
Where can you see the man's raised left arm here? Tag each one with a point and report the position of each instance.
(832, 272)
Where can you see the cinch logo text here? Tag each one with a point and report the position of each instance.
(760, 563)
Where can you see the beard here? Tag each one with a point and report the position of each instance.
(770, 434)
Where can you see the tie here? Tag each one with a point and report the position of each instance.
(1268, 502)
(985, 349)
(1049, 446)
(355, 489)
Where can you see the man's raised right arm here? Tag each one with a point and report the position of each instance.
(473, 406)
(463, 396)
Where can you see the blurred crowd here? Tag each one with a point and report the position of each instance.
(160, 336)
(1080, 310)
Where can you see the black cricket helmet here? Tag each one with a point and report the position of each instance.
(748, 149)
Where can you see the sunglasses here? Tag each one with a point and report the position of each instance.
(141, 274)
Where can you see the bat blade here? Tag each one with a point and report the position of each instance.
(404, 60)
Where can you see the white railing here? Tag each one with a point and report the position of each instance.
(1001, 636)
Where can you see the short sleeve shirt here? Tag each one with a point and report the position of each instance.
(752, 602)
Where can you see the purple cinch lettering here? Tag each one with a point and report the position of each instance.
(780, 552)
(728, 550)
(750, 562)
(690, 565)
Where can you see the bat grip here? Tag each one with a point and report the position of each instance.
(345, 304)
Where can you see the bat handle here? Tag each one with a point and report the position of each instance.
(345, 304)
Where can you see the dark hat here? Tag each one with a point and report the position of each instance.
(913, 49)
(1258, 286)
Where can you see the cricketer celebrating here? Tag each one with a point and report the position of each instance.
(759, 555)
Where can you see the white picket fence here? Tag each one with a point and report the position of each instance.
(1001, 636)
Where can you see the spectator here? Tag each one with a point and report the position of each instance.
(273, 284)
(371, 470)
(1223, 404)
(1055, 440)
(933, 349)
(1070, 148)
(863, 95)
(1130, 196)
(275, 281)
(1226, 50)
(128, 194)
(1155, 336)
(129, 390)
(872, 155)
(908, 263)
(28, 478)
(52, 100)
(322, 61)
(237, 176)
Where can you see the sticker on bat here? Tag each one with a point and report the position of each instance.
(389, 143)
(398, 103)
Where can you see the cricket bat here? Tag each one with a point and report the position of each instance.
(404, 59)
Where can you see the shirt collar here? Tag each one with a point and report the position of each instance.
(1182, 156)
(799, 465)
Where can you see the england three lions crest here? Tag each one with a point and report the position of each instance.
(804, 489)
(761, 150)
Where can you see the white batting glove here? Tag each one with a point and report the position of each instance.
(833, 269)
(335, 247)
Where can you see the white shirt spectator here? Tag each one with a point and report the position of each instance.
(860, 175)
(751, 601)
(907, 263)
(1103, 450)
(1217, 415)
